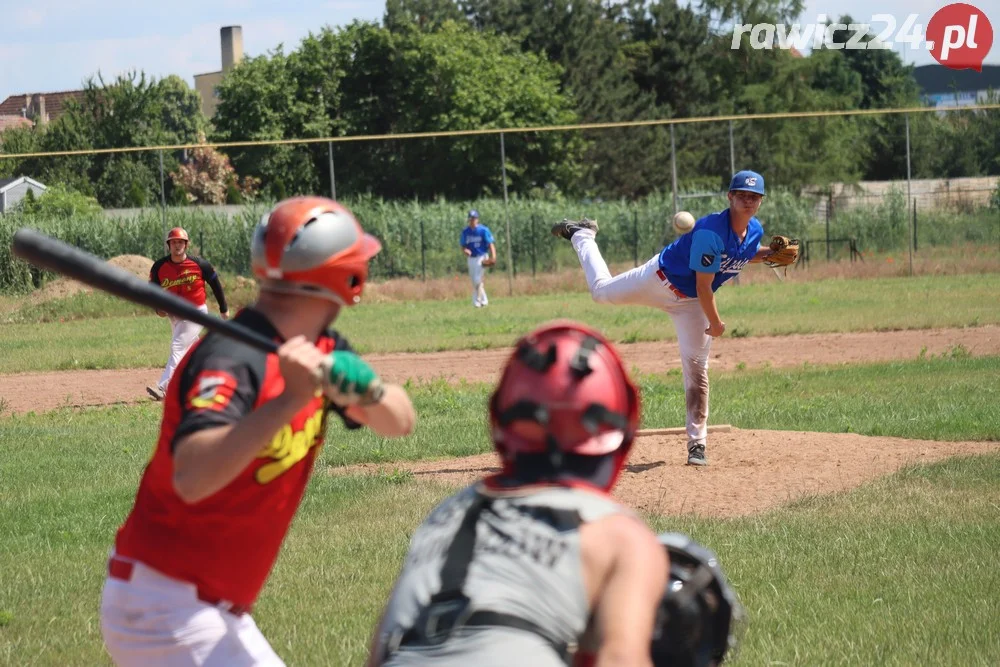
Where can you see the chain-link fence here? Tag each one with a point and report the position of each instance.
(838, 220)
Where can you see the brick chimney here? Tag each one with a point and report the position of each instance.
(232, 46)
(36, 109)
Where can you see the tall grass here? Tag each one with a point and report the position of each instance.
(420, 239)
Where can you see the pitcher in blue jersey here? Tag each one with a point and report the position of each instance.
(681, 280)
(477, 244)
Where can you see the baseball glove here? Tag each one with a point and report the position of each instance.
(785, 252)
(489, 262)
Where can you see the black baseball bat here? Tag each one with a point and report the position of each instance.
(47, 252)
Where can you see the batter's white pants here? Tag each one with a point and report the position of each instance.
(476, 274)
(155, 621)
(643, 287)
(185, 334)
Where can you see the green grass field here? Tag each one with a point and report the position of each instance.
(128, 337)
(902, 571)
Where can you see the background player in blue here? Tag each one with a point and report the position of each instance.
(681, 280)
(477, 244)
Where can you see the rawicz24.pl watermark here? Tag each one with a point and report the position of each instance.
(959, 35)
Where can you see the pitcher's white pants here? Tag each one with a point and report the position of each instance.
(478, 286)
(185, 334)
(155, 621)
(643, 287)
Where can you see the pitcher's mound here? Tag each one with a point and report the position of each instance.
(749, 471)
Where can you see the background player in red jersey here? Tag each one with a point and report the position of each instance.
(185, 275)
(240, 431)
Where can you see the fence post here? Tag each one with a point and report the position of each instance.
(506, 215)
(635, 237)
(829, 208)
(163, 200)
(333, 180)
(423, 253)
(914, 224)
(533, 244)
(732, 150)
(673, 167)
(908, 194)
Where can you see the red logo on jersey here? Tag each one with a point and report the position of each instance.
(212, 390)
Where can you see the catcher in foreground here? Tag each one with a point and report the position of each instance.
(681, 280)
(538, 565)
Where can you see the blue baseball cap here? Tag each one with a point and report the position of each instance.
(474, 214)
(747, 181)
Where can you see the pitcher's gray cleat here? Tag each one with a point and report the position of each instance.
(567, 228)
(155, 393)
(696, 454)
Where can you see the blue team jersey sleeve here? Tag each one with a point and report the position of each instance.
(487, 235)
(706, 251)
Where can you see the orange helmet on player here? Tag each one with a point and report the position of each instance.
(565, 409)
(313, 246)
(177, 234)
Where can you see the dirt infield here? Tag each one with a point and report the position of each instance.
(40, 392)
(749, 471)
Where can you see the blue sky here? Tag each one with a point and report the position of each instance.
(52, 45)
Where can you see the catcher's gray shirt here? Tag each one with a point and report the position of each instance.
(525, 564)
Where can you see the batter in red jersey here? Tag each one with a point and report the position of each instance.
(240, 432)
(185, 275)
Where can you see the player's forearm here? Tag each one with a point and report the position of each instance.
(207, 461)
(706, 298)
(762, 253)
(391, 417)
(220, 296)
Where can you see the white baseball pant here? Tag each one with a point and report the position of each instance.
(643, 287)
(478, 286)
(185, 333)
(156, 621)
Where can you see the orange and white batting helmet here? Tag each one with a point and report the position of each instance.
(313, 246)
(177, 234)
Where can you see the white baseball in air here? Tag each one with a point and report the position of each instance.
(683, 222)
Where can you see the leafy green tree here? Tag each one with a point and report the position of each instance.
(886, 83)
(364, 80)
(799, 151)
(60, 202)
(260, 100)
(426, 15)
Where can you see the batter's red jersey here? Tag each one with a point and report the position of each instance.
(186, 279)
(227, 543)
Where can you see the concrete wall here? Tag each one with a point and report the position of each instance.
(929, 193)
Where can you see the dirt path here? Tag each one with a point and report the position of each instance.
(40, 392)
(749, 471)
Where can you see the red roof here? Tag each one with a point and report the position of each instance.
(55, 103)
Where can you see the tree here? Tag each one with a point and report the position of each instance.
(799, 151)
(426, 15)
(207, 177)
(260, 100)
(131, 111)
(367, 80)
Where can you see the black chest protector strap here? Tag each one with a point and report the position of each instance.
(448, 609)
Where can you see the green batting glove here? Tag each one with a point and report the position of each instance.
(349, 379)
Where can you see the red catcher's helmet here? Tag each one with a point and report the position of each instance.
(564, 397)
(313, 246)
(177, 234)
